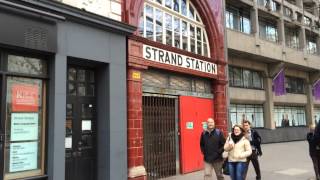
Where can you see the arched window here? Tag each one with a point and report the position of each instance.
(175, 23)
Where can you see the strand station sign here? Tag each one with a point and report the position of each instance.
(167, 57)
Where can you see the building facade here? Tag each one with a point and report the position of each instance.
(63, 90)
(176, 79)
(263, 38)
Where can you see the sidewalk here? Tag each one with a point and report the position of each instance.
(280, 161)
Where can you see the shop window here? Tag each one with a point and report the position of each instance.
(253, 113)
(316, 115)
(174, 23)
(245, 78)
(238, 19)
(287, 116)
(294, 85)
(25, 127)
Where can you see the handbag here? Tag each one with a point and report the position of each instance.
(225, 167)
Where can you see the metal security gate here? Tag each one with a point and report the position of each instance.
(159, 136)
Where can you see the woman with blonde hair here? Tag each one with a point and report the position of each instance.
(238, 148)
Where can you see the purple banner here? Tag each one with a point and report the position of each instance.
(278, 83)
(316, 90)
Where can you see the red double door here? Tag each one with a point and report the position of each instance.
(194, 112)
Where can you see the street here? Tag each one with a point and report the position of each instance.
(280, 161)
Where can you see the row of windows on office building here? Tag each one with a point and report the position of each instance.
(239, 19)
(246, 78)
(284, 116)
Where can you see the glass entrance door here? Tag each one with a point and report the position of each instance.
(80, 124)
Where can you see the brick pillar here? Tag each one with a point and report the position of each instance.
(136, 170)
(220, 105)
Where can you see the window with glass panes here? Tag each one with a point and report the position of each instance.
(316, 117)
(237, 19)
(292, 37)
(175, 23)
(311, 43)
(251, 112)
(295, 115)
(294, 85)
(268, 30)
(24, 125)
(245, 78)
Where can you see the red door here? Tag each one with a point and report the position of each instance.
(193, 112)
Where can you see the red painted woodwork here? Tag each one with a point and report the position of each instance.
(192, 110)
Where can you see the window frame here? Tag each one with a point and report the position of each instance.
(280, 111)
(258, 109)
(195, 22)
(5, 75)
(235, 19)
(241, 83)
(294, 81)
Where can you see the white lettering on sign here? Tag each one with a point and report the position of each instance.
(166, 57)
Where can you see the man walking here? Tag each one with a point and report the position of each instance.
(255, 141)
(211, 143)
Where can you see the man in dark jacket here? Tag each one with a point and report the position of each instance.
(211, 144)
(255, 141)
(313, 138)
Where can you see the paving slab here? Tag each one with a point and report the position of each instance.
(280, 161)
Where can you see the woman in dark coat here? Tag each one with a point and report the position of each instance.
(313, 138)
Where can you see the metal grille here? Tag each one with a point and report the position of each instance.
(159, 136)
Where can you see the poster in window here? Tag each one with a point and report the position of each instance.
(24, 126)
(25, 98)
(23, 156)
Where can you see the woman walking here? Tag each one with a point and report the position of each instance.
(238, 148)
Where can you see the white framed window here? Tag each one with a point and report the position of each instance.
(251, 112)
(175, 23)
(295, 116)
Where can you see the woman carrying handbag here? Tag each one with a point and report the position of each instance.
(238, 149)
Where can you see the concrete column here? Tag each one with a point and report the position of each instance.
(302, 38)
(281, 34)
(316, 9)
(299, 3)
(309, 106)
(255, 20)
(281, 29)
(269, 104)
(318, 44)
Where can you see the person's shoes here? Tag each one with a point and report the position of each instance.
(258, 178)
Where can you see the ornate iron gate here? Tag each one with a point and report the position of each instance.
(159, 136)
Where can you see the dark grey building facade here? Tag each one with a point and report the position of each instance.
(63, 93)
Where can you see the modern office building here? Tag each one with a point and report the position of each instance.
(63, 90)
(266, 38)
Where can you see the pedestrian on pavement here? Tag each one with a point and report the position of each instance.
(313, 138)
(255, 142)
(211, 144)
(238, 148)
